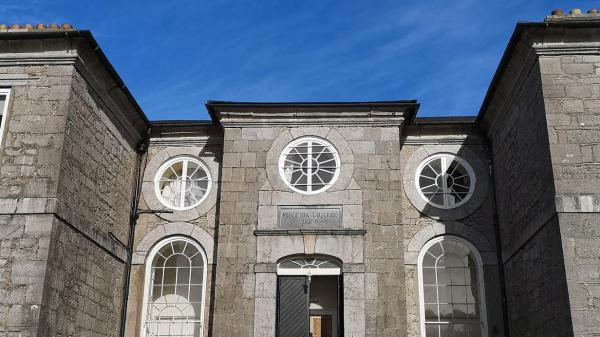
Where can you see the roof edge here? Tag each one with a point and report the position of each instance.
(520, 28)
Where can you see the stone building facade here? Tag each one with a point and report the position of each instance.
(284, 219)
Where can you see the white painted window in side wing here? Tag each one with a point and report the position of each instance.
(4, 97)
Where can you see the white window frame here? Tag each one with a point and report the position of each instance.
(481, 280)
(148, 277)
(444, 164)
(185, 160)
(308, 271)
(296, 142)
(4, 92)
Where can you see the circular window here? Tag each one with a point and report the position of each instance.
(309, 165)
(182, 183)
(445, 180)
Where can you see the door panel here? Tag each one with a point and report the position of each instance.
(292, 309)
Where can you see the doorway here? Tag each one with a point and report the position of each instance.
(309, 298)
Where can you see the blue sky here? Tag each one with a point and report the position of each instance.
(174, 55)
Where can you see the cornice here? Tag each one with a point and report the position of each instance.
(29, 59)
(558, 49)
(259, 121)
(240, 114)
(183, 141)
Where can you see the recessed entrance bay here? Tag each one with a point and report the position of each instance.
(309, 297)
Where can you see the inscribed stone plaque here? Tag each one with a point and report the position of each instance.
(309, 217)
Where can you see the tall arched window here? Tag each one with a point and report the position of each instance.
(175, 287)
(451, 289)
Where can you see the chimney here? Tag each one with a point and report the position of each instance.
(575, 14)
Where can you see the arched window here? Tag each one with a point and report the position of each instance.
(451, 289)
(175, 287)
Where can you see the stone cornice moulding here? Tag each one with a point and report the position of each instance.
(569, 48)
(235, 119)
(43, 58)
(292, 114)
(17, 79)
(179, 141)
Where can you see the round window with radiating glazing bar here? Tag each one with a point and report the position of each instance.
(182, 183)
(309, 165)
(445, 180)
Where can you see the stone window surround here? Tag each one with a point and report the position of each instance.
(471, 155)
(6, 93)
(286, 136)
(148, 264)
(152, 238)
(473, 250)
(148, 184)
(440, 228)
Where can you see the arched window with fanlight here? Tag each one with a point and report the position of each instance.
(175, 288)
(451, 289)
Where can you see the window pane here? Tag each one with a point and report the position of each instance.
(197, 276)
(457, 276)
(157, 276)
(177, 260)
(432, 330)
(183, 276)
(460, 311)
(445, 311)
(459, 294)
(430, 294)
(443, 275)
(2, 104)
(474, 330)
(445, 295)
(460, 330)
(446, 330)
(431, 312)
(429, 276)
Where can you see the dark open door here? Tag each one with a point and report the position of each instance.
(292, 306)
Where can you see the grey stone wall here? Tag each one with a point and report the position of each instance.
(526, 212)
(369, 191)
(97, 166)
(377, 170)
(66, 175)
(571, 86)
(157, 222)
(84, 281)
(83, 287)
(29, 171)
(243, 172)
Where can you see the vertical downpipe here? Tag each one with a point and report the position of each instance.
(499, 245)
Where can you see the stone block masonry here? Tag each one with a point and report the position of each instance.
(527, 214)
(67, 179)
(574, 129)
